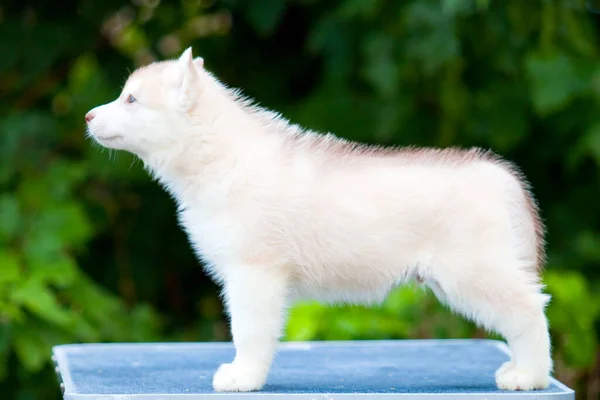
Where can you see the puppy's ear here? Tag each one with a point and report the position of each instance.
(199, 63)
(189, 80)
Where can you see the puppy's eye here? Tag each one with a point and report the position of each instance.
(130, 99)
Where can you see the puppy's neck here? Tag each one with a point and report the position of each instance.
(208, 153)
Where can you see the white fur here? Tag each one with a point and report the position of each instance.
(279, 213)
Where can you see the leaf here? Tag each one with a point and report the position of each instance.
(578, 32)
(34, 296)
(455, 7)
(32, 192)
(10, 267)
(131, 40)
(31, 350)
(83, 330)
(62, 177)
(10, 218)
(144, 323)
(572, 313)
(42, 246)
(10, 312)
(432, 39)
(58, 225)
(303, 323)
(88, 85)
(381, 68)
(579, 347)
(61, 271)
(392, 116)
(83, 71)
(404, 301)
(556, 79)
(18, 131)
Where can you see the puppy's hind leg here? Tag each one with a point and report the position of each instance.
(506, 299)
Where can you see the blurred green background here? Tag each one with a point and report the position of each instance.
(90, 249)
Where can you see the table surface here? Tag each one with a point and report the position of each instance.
(456, 369)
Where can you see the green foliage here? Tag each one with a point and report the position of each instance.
(573, 312)
(399, 317)
(45, 299)
(79, 227)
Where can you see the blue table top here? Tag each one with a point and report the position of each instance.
(311, 370)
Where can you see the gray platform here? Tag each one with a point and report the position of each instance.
(407, 369)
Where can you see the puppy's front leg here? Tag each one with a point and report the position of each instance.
(256, 298)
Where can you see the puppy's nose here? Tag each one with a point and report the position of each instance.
(89, 116)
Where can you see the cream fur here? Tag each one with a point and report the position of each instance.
(279, 213)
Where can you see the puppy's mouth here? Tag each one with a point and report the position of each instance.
(108, 138)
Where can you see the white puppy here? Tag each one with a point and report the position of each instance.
(278, 213)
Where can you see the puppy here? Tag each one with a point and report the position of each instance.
(279, 213)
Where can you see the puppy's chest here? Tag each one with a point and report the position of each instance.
(213, 231)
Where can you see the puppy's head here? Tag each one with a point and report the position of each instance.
(153, 108)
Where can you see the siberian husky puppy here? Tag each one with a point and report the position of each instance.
(278, 212)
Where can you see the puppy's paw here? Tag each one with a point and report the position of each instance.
(236, 378)
(510, 377)
(505, 367)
